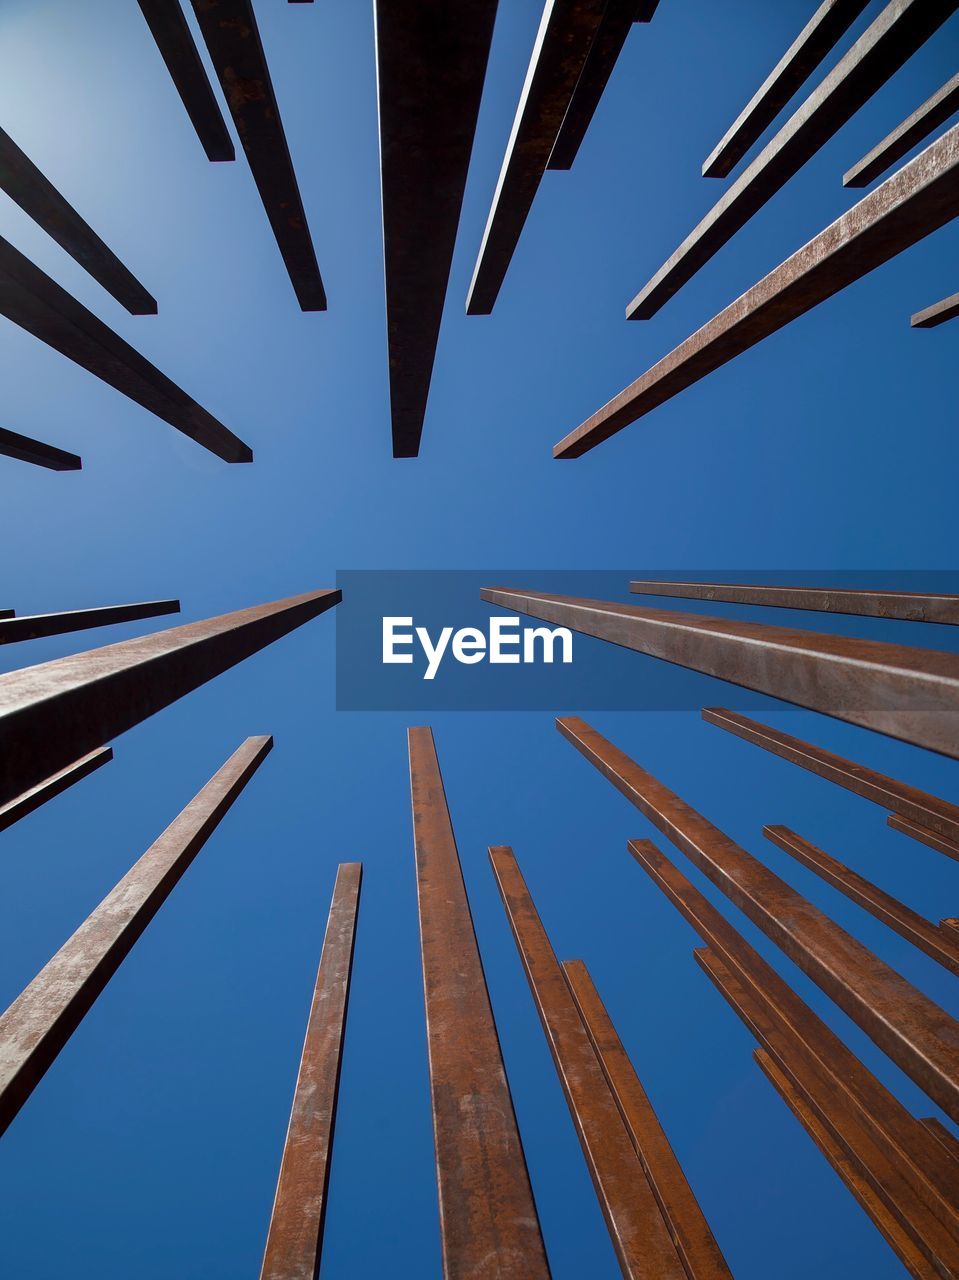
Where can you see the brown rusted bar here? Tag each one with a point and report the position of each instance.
(818, 37)
(908, 693)
(24, 449)
(47, 1012)
(912, 606)
(887, 44)
(915, 201)
(55, 712)
(923, 121)
(31, 627)
(691, 1235)
(488, 1220)
(923, 834)
(233, 40)
(46, 790)
(945, 1137)
(295, 1237)
(635, 1222)
(919, 1036)
(937, 314)
(427, 122)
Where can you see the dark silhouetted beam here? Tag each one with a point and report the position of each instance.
(427, 122)
(55, 712)
(14, 445)
(177, 49)
(925, 120)
(912, 606)
(233, 40)
(488, 1220)
(295, 1237)
(57, 624)
(937, 314)
(885, 46)
(52, 786)
(924, 835)
(907, 693)
(7, 613)
(45, 1015)
(633, 1217)
(918, 199)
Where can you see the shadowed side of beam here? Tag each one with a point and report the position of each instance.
(295, 1237)
(55, 712)
(923, 121)
(912, 606)
(937, 314)
(45, 1015)
(31, 627)
(923, 834)
(46, 790)
(24, 449)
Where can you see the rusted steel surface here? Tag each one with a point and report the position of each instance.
(295, 1237)
(633, 1217)
(47, 1012)
(488, 1220)
(36, 796)
(887, 44)
(563, 41)
(24, 449)
(908, 693)
(430, 64)
(695, 1243)
(912, 606)
(31, 627)
(55, 712)
(818, 37)
(937, 314)
(919, 1036)
(915, 201)
(943, 1135)
(924, 835)
(909, 924)
(231, 35)
(178, 50)
(923, 121)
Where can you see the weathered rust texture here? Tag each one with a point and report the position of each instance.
(908, 693)
(887, 44)
(914, 202)
(488, 1220)
(911, 606)
(633, 1217)
(943, 1135)
(922, 833)
(430, 63)
(25, 449)
(923, 121)
(695, 1243)
(950, 922)
(55, 712)
(937, 314)
(47, 1012)
(231, 35)
(818, 37)
(919, 1036)
(295, 1237)
(31, 627)
(46, 790)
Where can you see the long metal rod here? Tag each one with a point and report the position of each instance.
(45, 1015)
(57, 783)
(26, 449)
(937, 314)
(295, 1238)
(911, 606)
(923, 121)
(31, 627)
(924, 835)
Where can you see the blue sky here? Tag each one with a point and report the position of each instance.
(151, 1147)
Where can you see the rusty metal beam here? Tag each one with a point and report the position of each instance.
(47, 1012)
(31, 627)
(488, 1219)
(923, 834)
(36, 796)
(937, 314)
(55, 712)
(24, 449)
(923, 121)
(911, 606)
(944, 1135)
(295, 1237)
(427, 120)
(232, 38)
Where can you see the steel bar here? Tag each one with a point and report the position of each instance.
(47, 1012)
(488, 1219)
(635, 1222)
(945, 1137)
(233, 41)
(887, 44)
(935, 942)
(24, 449)
(923, 834)
(919, 1036)
(7, 613)
(58, 782)
(55, 712)
(689, 1231)
(563, 42)
(31, 627)
(907, 693)
(915, 201)
(911, 606)
(818, 37)
(937, 314)
(295, 1237)
(923, 121)
(427, 121)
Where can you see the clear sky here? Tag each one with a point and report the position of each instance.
(151, 1147)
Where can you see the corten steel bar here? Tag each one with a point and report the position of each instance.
(695, 1243)
(295, 1237)
(31, 627)
(916, 1033)
(53, 786)
(924, 835)
(488, 1220)
(912, 606)
(948, 1139)
(55, 712)
(818, 37)
(907, 693)
(47, 1012)
(169, 29)
(915, 201)
(937, 314)
(427, 119)
(24, 449)
(927, 118)
(39, 199)
(885, 46)
(636, 1224)
(563, 41)
(233, 40)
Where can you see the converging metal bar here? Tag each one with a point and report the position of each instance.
(25, 449)
(937, 314)
(32, 627)
(923, 121)
(58, 782)
(911, 606)
(924, 835)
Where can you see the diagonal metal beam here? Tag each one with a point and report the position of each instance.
(58, 782)
(923, 121)
(937, 314)
(911, 606)
(923, 834)
(31, 627)
(24, 449)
